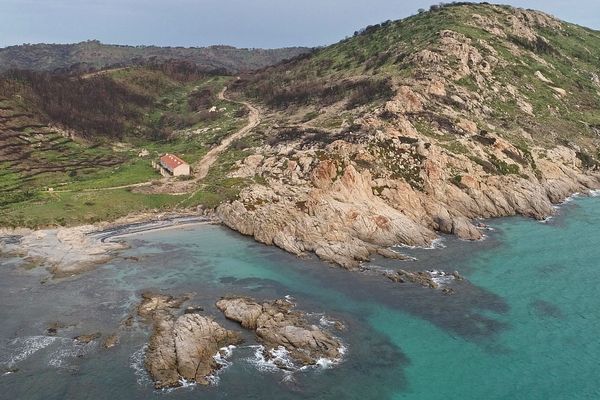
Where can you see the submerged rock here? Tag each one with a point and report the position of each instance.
(85, 339)
(183, 347)
(55, 326)
(111, 341)
(420, 277)
(153, 303)
(277, 325)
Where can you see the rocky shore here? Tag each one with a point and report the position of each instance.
(187, 346)
(70, 251)
(456, 139)
(345, 215)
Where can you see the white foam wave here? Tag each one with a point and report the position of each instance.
(594, 193)
(279, 360)
(222, 359)
(435, 244)
(184, 383)
(25, 347)
(137, 364)
(440, 277)
(276, 359)
(72, 350)
(326, 363)
(570, 198)
(323, 321)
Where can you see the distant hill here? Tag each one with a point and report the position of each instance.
(95, 55)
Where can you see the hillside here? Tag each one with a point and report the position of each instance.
(409, 129)
(420, 126)
(92, 55)
(73, 147)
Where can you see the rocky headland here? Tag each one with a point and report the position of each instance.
(482, 118)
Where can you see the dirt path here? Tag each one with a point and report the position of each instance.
(102, 72)
(203, 166)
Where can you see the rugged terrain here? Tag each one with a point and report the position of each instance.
(421, 126)
(92, 55)
(408, 129)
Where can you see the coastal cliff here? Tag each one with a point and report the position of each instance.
(417, 127)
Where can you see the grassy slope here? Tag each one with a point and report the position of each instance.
(37, 207)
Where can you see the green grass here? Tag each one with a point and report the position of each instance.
(67, 209)
(135, 171)
(30, 204)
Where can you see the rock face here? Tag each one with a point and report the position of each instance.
(475, 125)
(277, 325)
(181, 347)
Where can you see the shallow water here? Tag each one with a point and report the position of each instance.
(523, 324)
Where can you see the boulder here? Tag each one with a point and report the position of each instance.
(181, 347)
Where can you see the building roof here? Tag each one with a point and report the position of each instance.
(170, 161)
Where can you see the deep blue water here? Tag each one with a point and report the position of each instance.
(523, 325)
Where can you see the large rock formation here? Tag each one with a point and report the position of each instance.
(475, 127)
(183, 347)
(277, 325)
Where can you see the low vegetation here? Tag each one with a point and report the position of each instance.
(122, 119)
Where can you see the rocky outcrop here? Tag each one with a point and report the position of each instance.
(345, 213)
(277, 325)
(437, 154)
(87, 338)
(181, 347)
(111, 341)
(64, 251)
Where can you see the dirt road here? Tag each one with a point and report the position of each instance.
(203, 166)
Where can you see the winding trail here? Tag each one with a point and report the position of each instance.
(203, 166)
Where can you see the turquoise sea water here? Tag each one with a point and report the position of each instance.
(523, 325)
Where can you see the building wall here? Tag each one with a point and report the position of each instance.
(183, 169)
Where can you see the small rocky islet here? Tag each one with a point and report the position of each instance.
(185, 346)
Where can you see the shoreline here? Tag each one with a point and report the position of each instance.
(68, 251)
(151, 225)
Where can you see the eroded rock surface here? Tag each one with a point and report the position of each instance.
(277, 325)
(181, 347)
(440, 151)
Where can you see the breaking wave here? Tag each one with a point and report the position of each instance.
(137, 364)
(24, 347)
(222, 358)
